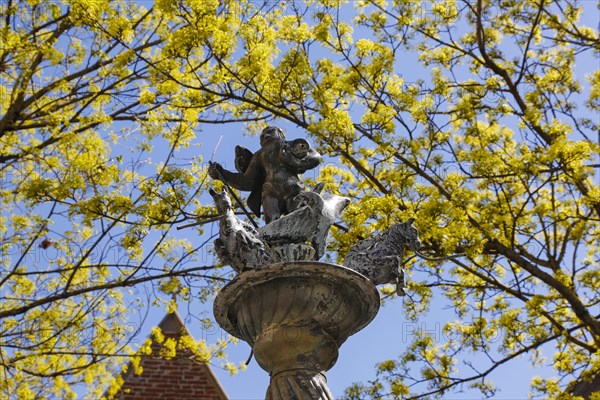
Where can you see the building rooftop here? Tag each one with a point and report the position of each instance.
(178, 378)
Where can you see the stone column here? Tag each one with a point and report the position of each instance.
(296, 315)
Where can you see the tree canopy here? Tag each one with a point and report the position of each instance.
(478, 118)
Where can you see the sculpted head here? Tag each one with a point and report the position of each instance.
(222, 201)
(406, 231)
(310, 199)
(270, 133)
(298, 147)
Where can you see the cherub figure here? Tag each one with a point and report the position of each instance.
(270, 174)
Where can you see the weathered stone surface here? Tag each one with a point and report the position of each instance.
(238, 244)
(285, 239)
(379, 257)
(299, 384)
(295, 316)
(292, 252)
(309, 222)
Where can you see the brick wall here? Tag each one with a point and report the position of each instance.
(178, 378)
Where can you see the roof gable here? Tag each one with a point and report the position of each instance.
(181, 377)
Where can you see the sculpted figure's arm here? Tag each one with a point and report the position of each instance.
(241, 181)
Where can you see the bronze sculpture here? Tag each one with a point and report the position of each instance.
(270, 174)
(297, 220)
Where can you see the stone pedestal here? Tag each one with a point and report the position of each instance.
(296, 315)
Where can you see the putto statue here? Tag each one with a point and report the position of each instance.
(271, 174)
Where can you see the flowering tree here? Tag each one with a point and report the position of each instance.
(491, 146)
(92, 183)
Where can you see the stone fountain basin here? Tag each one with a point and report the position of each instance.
(295, 315)
(328, 297)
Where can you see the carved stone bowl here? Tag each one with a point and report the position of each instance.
(296, 316)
